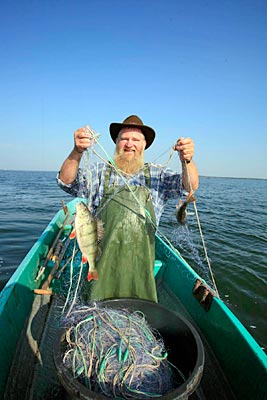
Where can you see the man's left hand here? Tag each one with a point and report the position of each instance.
(185, 147)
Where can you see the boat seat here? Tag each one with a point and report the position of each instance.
(157, 266)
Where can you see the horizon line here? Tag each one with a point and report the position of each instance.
(201, 176)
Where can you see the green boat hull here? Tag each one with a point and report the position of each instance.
(241, 359)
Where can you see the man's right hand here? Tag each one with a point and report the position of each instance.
(82, 140)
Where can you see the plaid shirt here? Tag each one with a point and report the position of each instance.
(165, 184)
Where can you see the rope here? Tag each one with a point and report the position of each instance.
(76, 289)
(201, 233)
(162, 154)
(71, 278)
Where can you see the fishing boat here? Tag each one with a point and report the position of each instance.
(235, 365)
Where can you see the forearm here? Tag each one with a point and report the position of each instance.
(189, 176)
(70, 166)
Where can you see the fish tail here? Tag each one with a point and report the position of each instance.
(92, 275)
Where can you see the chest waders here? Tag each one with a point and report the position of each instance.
(125, 267)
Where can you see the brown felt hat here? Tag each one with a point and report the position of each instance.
(132, 120)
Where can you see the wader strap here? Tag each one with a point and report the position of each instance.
(147, 176)
(107, 178)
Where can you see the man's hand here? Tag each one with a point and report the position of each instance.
(185, 147)
(82, 140)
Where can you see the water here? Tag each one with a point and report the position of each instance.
(28, 202)
(233, 218)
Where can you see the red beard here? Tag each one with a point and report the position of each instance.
(129, 166)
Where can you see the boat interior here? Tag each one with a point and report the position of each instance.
(33, 375)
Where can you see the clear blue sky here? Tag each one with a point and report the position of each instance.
(187, 68)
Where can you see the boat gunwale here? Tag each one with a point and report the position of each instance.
(22, 280)
(207, 322)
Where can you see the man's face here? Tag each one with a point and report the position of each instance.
(130, 143)
(130, 146)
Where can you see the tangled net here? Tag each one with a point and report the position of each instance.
(114, 352)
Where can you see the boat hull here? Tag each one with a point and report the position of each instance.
(241, 359)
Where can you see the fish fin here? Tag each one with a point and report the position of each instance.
(73, 234)
(84, 259)
(100, 229)
(190, 198)
(92, 275)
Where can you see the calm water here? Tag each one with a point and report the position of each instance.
(233, 218)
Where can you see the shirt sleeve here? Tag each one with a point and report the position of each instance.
(166, 182)
(171, 184)
(88, 184)
(77, 188)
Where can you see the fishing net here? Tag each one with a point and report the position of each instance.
(72, 287)
(185, 240)
(116, 353)
(111, 352)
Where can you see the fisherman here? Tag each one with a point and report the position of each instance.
(129, 198)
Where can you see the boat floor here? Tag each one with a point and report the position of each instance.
(33, 374)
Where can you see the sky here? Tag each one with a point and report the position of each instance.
(188, 68)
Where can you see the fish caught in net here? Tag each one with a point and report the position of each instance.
(116, 353)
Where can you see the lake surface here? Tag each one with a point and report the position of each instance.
(233, 220)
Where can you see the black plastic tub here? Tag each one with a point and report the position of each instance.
(185, 350)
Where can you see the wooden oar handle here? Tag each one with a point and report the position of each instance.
(51, 275)
(42, 291)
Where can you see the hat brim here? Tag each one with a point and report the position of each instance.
(148, 132)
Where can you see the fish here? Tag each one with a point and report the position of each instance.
(88, 232)
(181, 209)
